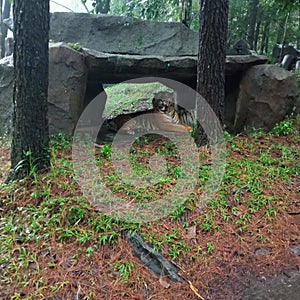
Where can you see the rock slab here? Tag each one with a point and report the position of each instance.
(115, 34)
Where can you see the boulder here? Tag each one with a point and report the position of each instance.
(115, 34)
(6, 95)
(67, 85)
(66, 91)
(267, 93)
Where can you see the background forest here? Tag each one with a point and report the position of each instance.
(261, 22)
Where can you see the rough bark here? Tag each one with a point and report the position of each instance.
(1, 35)
(252, 15)
(30, 133)
(211, 59)
(264, 39)
(5, 15)
(256, 36)
(102, 6)
(187, 12)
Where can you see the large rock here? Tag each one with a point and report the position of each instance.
(66, 91)
(6, 95)
(67, 85)
(115, 34)
(115, 68)
(267, 94)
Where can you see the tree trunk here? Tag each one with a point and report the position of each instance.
(284, 42)
(187, 12)
(267, 36)
(211, 59)
(30, 141)
(298, 37)
(252, 14)
(102, 6)
(5, 15)
(264, 39)
(256, 36)
(1, 34)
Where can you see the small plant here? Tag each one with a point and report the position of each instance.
(124, 270)
(105, 150)
(75, 46)
(210, 247)
(75, 214)
(283, 128)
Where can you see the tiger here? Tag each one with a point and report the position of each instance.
(187, 117)
(163, 116)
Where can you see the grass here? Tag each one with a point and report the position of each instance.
(54, 245)
(129, 96)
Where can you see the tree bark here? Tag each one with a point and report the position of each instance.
(187, 12)
(30, 143)
(298, 38)
(1, 33)
(211, 59)
(252, 15)
(102, 6)
(264, 39)
(256, 35)
(5, 15)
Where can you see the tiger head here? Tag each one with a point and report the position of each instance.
(163, 102)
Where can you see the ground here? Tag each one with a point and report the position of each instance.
(244, 244)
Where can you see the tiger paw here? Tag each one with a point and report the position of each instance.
(189, 129)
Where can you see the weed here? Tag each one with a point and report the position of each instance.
(76, 214)
(105, 150)
(75, 46)
(210, 247)
(285, 127)
(124, 270)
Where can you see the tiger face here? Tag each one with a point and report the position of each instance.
(163, 102)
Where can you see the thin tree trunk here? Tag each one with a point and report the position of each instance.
(1, 34)
(187, 12)
(30, 141)
(256, 36)
(298, 38)
(267, 37)
(283, 40)
(5, 15)
(87, 10)
(264, 37)
(285, 30)
(102, 6)
(252, 13)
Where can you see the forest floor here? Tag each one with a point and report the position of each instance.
(243, 244)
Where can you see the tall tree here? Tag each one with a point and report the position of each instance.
(30, 141)
(5, 15)
(186, 17)
(211, 58)
(1, 24)
(252, 15)
(101, 6)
